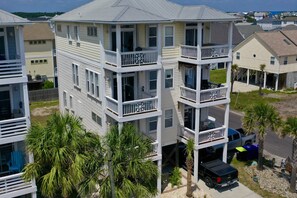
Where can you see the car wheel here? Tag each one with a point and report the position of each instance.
(209, 182)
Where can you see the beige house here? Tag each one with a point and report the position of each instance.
(40, 50)
(277, 50)
(148, 64)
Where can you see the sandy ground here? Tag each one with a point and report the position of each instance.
(287, 106)
(44, 111)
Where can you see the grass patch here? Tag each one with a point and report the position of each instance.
(42, 119)
(218, 76)
(241, 101)
(247, 180)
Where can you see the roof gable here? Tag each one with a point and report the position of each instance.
(8, 18)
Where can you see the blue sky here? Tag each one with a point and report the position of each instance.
(224, 5)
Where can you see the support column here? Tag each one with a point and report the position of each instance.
(22, 50)
(198, 83)
(256, 78)
(228, 78)
(159, 181)
(118, 44)
(159, 128)
(196, 150)
(120, 96)
(276, 82)
(230, 35)
(248, 77)
(199, 40)
(120, 126)
(159, 42)
(265, 79)
(226, 125)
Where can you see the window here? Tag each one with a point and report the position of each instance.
(65, 98)
(152, 36)
(96, 119)
(45, 61)
(59, 28)
(168, 118)
(272, 60)
(153, 124)
(169, 40)
(32, 61)
(76, 33)
(75, 77)
(31, 42)
(168, 78)
(285, 60)
(153, 80)
(71, 101)
(37, 42)
(92, 85)
(237, 55)
(68, 32)
(92, 31)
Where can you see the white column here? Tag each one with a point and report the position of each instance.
(265, 79)
(228, 78)
(226, 125)
(120, 96)
(159, 136)
(198, 83)
(159, 42)
(248, 77)
(159, 181)
(199, 40)
(276, 82)
(22, 50)
(26, 104)
(230, 35)
(159, 88)
(120, 126)
(196, 150)
(118, 44)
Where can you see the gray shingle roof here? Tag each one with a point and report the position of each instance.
(7, 18)
(127, 11)
(247, 30)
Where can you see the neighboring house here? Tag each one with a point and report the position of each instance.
(126, 61)
(259, 15)
(247, 30)
(14, 108)
(291, 20)
(40, 51)
(277, 50)
(269, 23)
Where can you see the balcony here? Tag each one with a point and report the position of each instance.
(131, 59)
(133, 107)
(11, 69)
(206, 136)
(13, 185)
(209, 51)
(13, 130)
(207, 95)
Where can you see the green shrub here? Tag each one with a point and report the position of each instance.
(175, 178)
(48, 85)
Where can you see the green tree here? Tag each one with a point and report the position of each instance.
(128, 173)
(260, 118)
(59, 148)
(290, 128)
(234, 71)
(262, 68)
(189, 163)
(48, 85)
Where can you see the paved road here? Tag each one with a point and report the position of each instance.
(273, 144)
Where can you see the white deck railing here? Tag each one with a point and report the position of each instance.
(213, 94)
(12, 183)
(188, 93)
(186, 133)
(189, 51)
(140, 106)
(128, 59)
(214, 51)
(111, 57)
(112, 104)
(139, 58)
(13, 127)
(211, 135)
(11, 69)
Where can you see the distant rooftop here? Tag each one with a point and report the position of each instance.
(268, 20)
(144, 11)
(38, 31)
(7, 18)
(247, 30)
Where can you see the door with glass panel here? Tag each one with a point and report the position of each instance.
(5, 106)
(2, 45)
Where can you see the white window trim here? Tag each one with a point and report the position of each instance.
(149, 82)
(89, 71)
(91, 29)
(148, 36)
(151, 131)
(76, 34)
(171, 118)
(272, 58)
(68, 32)
(168, 78)
(237, 55)
(71, 101)
(173, 45)
(76, 75)
(65, 105)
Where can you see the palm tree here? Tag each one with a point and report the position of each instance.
(189, 163)
(58, 148)
(234, 70)
(290, 128)
(262, 67)
(128, 173)
(260, 118)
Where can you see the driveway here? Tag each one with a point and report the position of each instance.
(243, 87)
